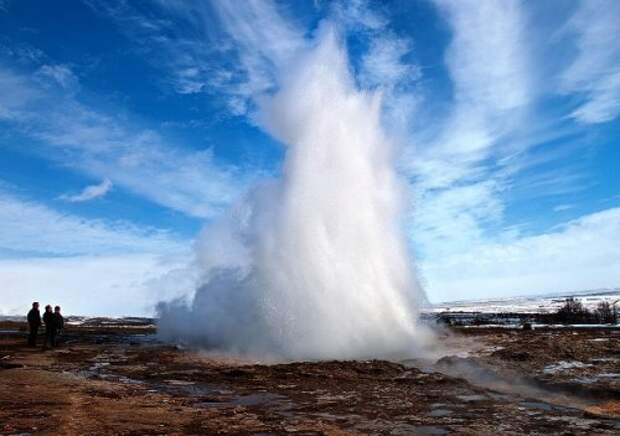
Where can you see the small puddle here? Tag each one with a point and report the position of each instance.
(437, 413)
(536, 405)
(430, 429)
(257, 399)
(472, 398)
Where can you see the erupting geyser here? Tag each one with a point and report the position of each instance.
(314, 264)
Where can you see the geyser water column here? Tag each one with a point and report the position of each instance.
(322, 268)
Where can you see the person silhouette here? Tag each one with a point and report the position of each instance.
(60, 324)
(34, 322)
(50, 327)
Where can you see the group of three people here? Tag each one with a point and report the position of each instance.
(54, 323)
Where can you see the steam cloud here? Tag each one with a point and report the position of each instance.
(314, 264)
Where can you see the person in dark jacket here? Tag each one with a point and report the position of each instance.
(34, 322)
(50, 326)
(60, 323)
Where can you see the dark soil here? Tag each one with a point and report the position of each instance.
(119, 380)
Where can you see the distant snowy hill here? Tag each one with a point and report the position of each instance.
(530, 304)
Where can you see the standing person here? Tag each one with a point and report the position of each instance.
(60, 323)
(34, 322)
(50, 326)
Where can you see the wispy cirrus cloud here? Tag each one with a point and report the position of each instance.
(487, 60)
(89, 192)
(488, 154)
(486, 57)
(107, 145)
(61, 74)
(382, 64)
(594, 74)
(458, 188)
(176, 43)
(229, 50)
(32, 228)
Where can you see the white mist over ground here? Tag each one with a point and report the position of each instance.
(315, 264)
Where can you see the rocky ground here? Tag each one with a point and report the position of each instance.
(120, 380)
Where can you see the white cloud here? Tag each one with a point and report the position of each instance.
(581, 254)
(594, 74)
(358, 15)
(115, 147)
(487, 60)
(259, 29)
(90, 192)
(16, 94)
(451, 220)
(30, 227)
(486, 56)
(382, 64)
(604, 102)
(93, 285)
(61, 74)
(21, 53)
(458, 187)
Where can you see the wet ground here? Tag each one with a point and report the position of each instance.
(120, 380)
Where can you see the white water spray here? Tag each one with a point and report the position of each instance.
(315, 264)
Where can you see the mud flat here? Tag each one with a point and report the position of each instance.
(117, 379)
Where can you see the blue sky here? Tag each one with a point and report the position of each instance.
(127, 127)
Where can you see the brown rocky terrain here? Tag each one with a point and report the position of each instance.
(120, 380)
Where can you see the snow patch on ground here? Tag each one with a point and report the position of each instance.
(564, 365)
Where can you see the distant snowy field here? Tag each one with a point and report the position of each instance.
(529, 304)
